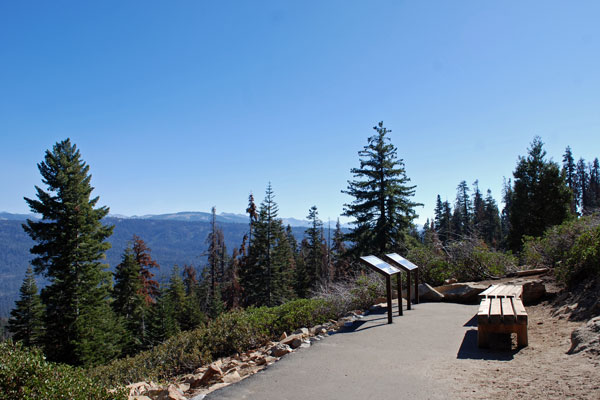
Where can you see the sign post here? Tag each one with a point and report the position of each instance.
(387, 270)
(401, 262)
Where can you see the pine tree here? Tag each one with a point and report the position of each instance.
(70, 242)
(314, 270)
(491, 229)
(263, 275)
(478, 208)
(129, 302)
(594, 186)
(193, 314)
(540, 196)
(26, 319)
(216, 264)
(463, 210)
(341, 266)
(150, 287)
(507, 196)
(163, 323)
(382, 209)
(583, 182)
(569, 170)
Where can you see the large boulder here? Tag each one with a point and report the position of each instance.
(466, 293)
(426, 293)
(533, 292)
(586, 338)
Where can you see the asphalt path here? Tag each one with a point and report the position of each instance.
(370, 360)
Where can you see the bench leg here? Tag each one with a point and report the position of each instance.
(522, 340)
(483, 336)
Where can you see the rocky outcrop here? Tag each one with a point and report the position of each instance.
(466, 293)
(586, 338)
(427, 293)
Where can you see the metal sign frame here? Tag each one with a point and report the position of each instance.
(387, 270)
(408, 267)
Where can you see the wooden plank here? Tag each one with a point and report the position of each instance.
(484, 311)
(520, 312)
(495, 311)
(487, 291)
(508, 313)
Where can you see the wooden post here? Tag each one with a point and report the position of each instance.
(399, 281)
(416, 286)
(388, 287)
(408, 290)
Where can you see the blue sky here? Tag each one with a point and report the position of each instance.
(182, 105)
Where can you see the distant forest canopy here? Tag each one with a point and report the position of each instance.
(172, 242)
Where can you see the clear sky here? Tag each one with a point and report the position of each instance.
(182, 105)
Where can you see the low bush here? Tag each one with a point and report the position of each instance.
(232, 332)
(356, 293)
(25, 374)
(552, 249)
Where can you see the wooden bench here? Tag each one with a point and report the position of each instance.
(501, 311)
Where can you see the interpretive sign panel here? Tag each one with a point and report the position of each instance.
(408, 267)
(401, 261)
(378, 265)
(387, 270)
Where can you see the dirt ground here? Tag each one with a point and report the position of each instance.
(541, 370)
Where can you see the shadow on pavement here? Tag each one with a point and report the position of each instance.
(472, 322)
(470, 350)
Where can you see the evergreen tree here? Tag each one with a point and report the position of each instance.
(70, 242)
(263, 274)
(540, 196)
(382, 209)
(314, 268)
(463, 209)
(26, 319)
(583, 182)
(491, 228)
(594, 186)
(216, 264)
(507, 196)
(478, 216)
(163, 323)
(339, 260)
(569, 171)
(129, 302)
(193, 315)
(141, 251)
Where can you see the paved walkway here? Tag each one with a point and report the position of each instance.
(373, 360)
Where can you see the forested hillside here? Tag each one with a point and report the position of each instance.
(173, 242)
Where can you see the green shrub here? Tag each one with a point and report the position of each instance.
(232, 332)
(25, 374)
(583, 262)
(434, 267)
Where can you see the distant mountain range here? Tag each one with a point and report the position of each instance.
(191, 216)
(175, 239)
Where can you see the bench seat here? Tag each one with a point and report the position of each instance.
(501, 314)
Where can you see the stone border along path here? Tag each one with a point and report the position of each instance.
(369, 360)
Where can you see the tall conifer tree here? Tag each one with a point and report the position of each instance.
(26, 319)
(382, 209)
(70, 242)
(540, 196)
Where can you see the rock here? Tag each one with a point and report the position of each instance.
(450, 281)
(302, 331)
(232, 377)
(283, 336)
(184, 387)
(199, 397)
(138, 388)
(140, 397)
(533, 292)
(427, 293)
(586, 338)
(294, 341)
(280, 350)
(462, 292)
(212, 372)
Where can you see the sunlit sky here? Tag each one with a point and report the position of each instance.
(185, 105)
